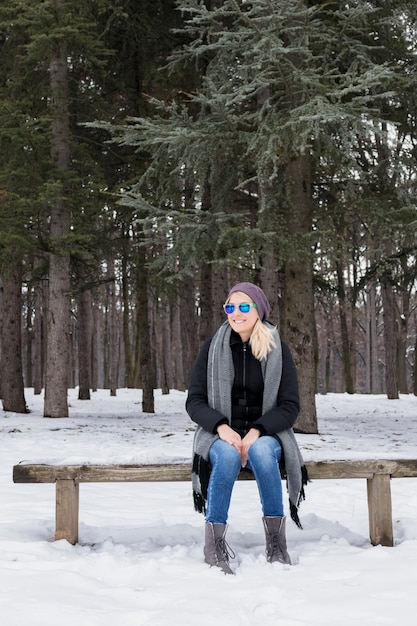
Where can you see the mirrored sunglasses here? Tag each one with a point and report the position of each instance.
(244, 307)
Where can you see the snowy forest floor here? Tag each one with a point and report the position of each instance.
(139, 561)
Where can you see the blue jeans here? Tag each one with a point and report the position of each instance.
(263, 459)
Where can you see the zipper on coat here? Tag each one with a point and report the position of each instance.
(245, 345)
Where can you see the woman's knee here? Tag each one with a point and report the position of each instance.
(222, 453)
(263, 449)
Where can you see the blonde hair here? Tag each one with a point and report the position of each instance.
(262, 340)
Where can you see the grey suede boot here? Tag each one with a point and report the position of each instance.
(276, 543)
(216, 549)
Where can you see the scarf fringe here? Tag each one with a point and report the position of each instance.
(294, 515)
(202, 471)
(301, 496)
(199, 503)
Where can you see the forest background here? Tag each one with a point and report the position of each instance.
(153, 153)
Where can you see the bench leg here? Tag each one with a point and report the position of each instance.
(66, 514)
(380, 510)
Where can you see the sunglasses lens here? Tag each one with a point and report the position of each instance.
(243, 308)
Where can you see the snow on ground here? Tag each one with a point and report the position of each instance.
(139, 561)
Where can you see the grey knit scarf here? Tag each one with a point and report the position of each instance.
(220, 375)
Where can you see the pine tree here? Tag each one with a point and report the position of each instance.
(53, 76)
(279, 81)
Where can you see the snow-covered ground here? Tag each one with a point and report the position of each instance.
(139, 561)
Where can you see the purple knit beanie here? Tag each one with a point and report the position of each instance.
(256, 294)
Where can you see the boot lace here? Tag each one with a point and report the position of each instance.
(275, 546)
(223, 551)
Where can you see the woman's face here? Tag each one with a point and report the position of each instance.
(242, 323)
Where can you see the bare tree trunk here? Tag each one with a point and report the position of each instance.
(95, 345)
(206, 328)
(12, 387)
(113, 352)
(324, 348)
(145, 349)
(299, 322)
(267, 209)
(415, 358)
(129, 351)
(84, 344)
(375, 386)
(270, 284)
(37, 348)
(57, 355)
(219, 289)
(403, 316)
(145, 339)
(1, 341)
(346, 344)
(189, 333)
(177, 346)
(390, 342)
(161, 324)
(40, 306)
(57, 351)
(28, 339)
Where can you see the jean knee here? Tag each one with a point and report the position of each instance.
(222, 453)
(263, 449)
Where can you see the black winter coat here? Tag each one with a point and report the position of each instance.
(247, 393)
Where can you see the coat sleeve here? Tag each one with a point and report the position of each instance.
(287, 408)
(197, 400)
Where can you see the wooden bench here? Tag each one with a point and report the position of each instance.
(68, 477)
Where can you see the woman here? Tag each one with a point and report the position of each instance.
(243, 395)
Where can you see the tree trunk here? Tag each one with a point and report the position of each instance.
(84, 344)
(127, 339)
(299, 323)
(372, 353)
(415, 359)
(161, 323)
(57, 351)
(390, 342)
(144, 334)
(57, 343)
(28, 340)
(95, 346)
(113, 343)
(177, 346)
(189, 333)
(346, 344)
(206, 327)
(39, 332)
(267, 209)
(12, 386)
(403, 317)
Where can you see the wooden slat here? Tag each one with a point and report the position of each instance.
(39, 473)
(396, 468)
(102, 473)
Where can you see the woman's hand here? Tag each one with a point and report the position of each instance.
(251, 436)
(230, 436)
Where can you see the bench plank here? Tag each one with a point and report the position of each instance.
(42, 473)
(67, 478)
